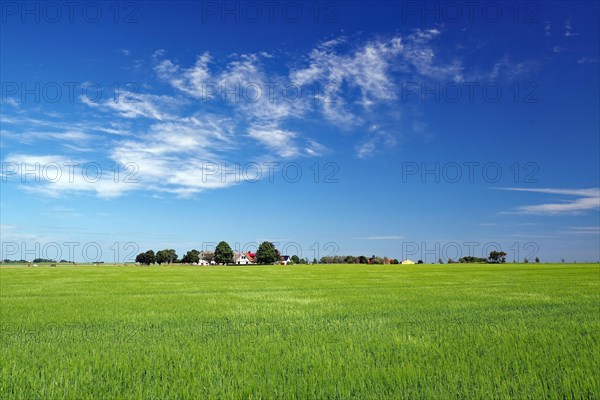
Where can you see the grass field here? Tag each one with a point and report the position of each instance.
(336, 331)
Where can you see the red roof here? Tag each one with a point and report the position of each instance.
(250, 256)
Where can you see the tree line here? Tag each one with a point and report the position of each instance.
(267, 253)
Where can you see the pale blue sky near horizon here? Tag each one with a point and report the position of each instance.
(392, 128)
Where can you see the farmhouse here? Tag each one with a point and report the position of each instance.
(407, 261)
(243, 258)
(203, 261)
(285, 260)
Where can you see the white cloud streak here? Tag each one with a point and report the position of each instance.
(586, 200)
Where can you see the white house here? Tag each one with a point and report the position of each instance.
(241, 258)
(407, 261)
(203, 261)
(285, 260)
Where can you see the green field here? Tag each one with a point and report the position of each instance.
(327, 331)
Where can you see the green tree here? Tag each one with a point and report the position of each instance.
(376, 260)
(296, 259)
(223, 253)
(497, 257)
(166, 256)
(266, 253)
(537, 260)
(191, 257)
(146, 258)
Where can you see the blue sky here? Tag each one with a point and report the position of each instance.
(391, 128)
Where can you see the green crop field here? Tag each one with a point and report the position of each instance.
(326, 331)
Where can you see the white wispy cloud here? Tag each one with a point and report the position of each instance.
(57, 124)
(392, 237)
(73, 139)
(57, 175)
(192, 81)
(367, 69)
(169, 137)
(569, 28)
(135, 105)
(180, 156)
(585, 200)
(377, 138)
(588, 60)
(583, 230)
(282, 141)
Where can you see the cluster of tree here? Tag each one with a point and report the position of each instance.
(357, 260)
(146, 258)
(495, 257)
(223, 255)
(471, 259)
(166, 256)
(267, 253)
(297, 260)
(35, 260)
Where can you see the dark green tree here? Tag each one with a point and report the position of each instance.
(295, 259)
(223, 253)
(266, 253)
(146, 258)
(166, 256)
(191, 257)
(497, 257)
